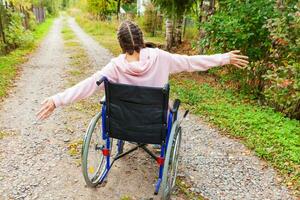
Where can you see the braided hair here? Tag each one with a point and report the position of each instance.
(130, 37)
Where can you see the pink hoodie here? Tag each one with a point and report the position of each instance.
(152, 69)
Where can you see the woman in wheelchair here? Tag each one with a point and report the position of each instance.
(136, 105)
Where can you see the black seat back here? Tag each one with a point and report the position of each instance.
(136, 113)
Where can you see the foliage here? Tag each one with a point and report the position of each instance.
(271, 135)
(16, 35)
(106, 33)
(174, 11)
(101, 8)
(152, 21)
(283, 75)
(53, 6)
(129, 6)
(21, 3)
(103, 31)
(173, 8)
(18, 22)
(240, 25)
(283, 89)
(268, 36)
(9, 63)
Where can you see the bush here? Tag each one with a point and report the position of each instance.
(102, 9)
(16, 35)
(32, 21)
(240, 25)
(270, 37)
(282, 90)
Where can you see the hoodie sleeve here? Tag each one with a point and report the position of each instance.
(83, 89)
(180, 63)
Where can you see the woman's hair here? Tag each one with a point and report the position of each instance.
(130, 37)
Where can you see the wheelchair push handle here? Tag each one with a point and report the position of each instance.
(101, 80)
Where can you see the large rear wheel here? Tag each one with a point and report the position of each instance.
(93, 161)
(171, 162)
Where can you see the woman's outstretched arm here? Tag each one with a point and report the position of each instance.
(79, 91)
(180, 63)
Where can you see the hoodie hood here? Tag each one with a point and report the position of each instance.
(137, 68)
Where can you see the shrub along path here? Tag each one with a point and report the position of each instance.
(9, 63)
(40, 161)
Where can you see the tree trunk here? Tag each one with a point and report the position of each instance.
(1, 25)
(118, 9)
(207, 8)
(178, 31)
(211, 7)
(169, 33)
(184, 27)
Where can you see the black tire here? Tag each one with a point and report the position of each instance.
(171, 162)
(92, 145)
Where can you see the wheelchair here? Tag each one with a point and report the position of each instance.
(138, 115)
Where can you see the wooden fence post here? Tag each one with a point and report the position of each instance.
(2, 25)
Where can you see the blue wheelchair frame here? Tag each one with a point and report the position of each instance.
(106, 150)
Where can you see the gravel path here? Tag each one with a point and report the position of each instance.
(34, 163)
(223, 168)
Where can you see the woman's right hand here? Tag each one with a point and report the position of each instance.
(46, 110)
(238, 60)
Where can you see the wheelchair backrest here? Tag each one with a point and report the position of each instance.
(136, 113)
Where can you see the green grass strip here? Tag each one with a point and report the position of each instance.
(9, 63)
(105, 32)
(271, 135)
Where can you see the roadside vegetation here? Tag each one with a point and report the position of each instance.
(218, 98)
(22, 26)
(9, 63)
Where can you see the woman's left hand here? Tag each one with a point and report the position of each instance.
(238, 60)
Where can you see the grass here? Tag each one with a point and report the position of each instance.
(4, 133)
(9, 63)
(184, 189)
(269, 134)
(272, 136)
(105, 32)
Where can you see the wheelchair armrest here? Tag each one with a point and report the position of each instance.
(175, 106)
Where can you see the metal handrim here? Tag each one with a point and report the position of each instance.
(92, 174)
(169, 179)
(175, 156)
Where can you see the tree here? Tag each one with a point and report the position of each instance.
(206, 9)
(174, 10)
(101, 8)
